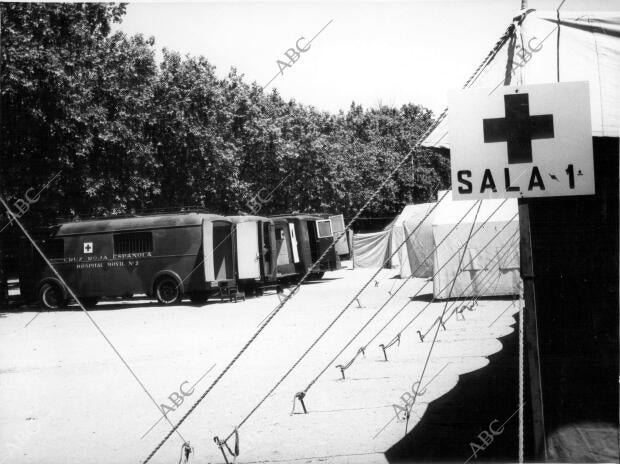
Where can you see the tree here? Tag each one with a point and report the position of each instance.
(71, 103)
(126, 134)
(50, 54)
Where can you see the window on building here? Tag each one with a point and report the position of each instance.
(133, 242)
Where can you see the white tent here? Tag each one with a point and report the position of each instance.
(540, 48)
(418, 242)
(547, 47)
(486, 270)
(371, 250)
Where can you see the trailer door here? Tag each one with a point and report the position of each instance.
(338, 227)
(294, 245)
(208, 255)
(248, 253)
(324, 240)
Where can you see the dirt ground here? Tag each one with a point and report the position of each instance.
(66, 397)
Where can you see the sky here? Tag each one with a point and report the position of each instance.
(372, 53)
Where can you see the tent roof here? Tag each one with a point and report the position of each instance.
(581, 46)
(408, 212)
(449, 211)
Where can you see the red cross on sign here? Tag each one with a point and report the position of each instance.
(527, 141)
(518, 128)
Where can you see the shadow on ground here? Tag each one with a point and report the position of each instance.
(455, 421)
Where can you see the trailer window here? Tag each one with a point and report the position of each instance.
(324, 228)
(133, 242)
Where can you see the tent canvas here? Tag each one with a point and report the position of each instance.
(579, 46)
(397, 237)
(418, 245)
(371, 250)
(566, 46)
(486, 270)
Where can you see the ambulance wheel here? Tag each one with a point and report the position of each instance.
(51, 297)
(199, 297)
(90, 301)
(167, 291)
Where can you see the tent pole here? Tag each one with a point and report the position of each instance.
(531, 330)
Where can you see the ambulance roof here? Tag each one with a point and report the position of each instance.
(95, 226)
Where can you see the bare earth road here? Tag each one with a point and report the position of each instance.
(66, 397)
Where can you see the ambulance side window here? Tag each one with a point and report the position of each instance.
(133, 242)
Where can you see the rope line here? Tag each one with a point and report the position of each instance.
(521, 378)
(74, 296)
(489, 279)
(452, 311)
(501, 314)
(363, 348)
(445, 286)
(298, 285)
(385, 304)
(331, 324)
(477, 296)
(424, 286)
(450, 259)
(486, 283)
(498, 277)
(279, 382)
(388, 178)
(441, 317)
(498, 45)
(230, 234)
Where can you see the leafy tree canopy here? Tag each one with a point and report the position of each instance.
(127, 134)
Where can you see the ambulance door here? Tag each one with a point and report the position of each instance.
(248, 253)
(294, 245)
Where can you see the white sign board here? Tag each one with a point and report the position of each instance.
(521, 141)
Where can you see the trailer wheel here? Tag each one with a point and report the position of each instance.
(51, 297)
(167, 291)
(199, 297)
